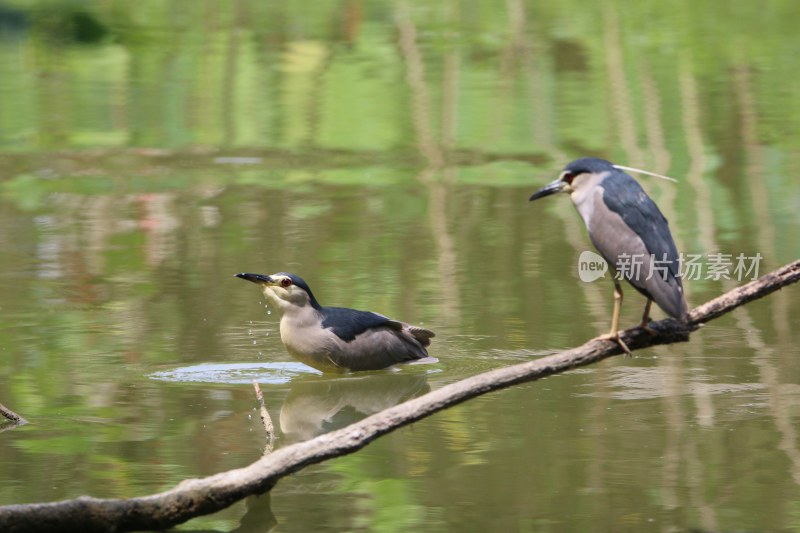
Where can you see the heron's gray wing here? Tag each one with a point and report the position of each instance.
(370, 341)
(422, 335)
(639, 228)
(624, 196)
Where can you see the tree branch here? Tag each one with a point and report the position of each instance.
(266, 420)
(12, 416)
(196, 497)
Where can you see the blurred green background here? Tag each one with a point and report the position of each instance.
(384, 151)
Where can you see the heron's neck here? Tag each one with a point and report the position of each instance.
(586, 194)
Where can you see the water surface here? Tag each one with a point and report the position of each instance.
(385, 151)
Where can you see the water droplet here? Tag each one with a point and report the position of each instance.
(269, 311)
(255, 342)
(249, 331)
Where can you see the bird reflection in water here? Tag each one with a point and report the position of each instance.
(318, 405)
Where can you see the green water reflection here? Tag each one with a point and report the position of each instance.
(385, 152)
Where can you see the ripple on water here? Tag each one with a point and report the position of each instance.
(274, 372)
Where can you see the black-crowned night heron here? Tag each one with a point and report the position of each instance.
(629, 231)
(337, 339)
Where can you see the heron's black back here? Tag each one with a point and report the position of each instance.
(348, 323)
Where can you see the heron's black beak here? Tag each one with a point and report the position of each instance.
(255, 278)
(547, 190)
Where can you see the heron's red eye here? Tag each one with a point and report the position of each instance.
(286, 282)
(568, 177)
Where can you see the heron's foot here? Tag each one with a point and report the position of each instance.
(645, 325)
(614, 337)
